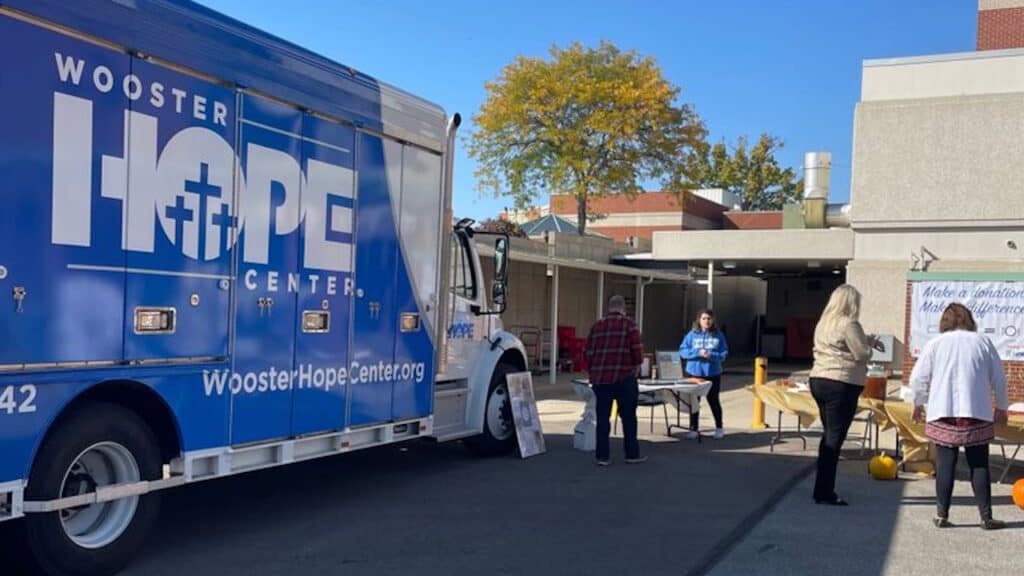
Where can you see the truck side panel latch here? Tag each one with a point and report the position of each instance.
(19, 298)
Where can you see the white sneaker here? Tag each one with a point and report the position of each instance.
(692, 434)
(719, 433)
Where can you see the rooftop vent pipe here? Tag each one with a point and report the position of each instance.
(817, 169)
(818, 213)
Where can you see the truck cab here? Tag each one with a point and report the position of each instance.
(477, 347)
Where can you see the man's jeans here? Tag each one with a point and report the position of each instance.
(625, 393)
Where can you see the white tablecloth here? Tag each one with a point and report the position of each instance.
(679, 390)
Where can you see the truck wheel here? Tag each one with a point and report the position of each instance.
(499, 435)
(98, 445)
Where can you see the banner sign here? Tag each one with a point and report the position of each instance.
(998, 309)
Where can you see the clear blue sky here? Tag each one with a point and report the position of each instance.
(787, 67)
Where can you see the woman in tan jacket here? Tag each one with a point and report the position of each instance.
(841, 355)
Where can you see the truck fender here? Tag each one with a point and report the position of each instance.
(509, 349)
(136, 396)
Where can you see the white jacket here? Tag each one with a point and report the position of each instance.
(956, 375)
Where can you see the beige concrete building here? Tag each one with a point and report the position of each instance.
(938, 178)
(938, 173)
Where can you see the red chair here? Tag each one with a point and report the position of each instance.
(579, 358)
(566, 347)
(800, 338)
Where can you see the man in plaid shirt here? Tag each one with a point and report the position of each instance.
(614, 353)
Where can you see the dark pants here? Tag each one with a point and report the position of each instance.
(837, 404)
(945, 473)
(713, 401)
(625, 393)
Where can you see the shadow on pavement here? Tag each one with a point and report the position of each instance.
(433, 509)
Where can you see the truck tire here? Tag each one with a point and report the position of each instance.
(99, 444)
(499, 434)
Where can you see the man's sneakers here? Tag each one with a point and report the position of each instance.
(693, 435)
(719, 433)
(603, 462)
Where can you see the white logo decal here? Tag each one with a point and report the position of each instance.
(190, 184)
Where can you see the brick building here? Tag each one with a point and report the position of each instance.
(621, 218)
(1000, 24)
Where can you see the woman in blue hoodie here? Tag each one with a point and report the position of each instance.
(704, 350)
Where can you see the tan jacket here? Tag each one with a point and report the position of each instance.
(842, 354)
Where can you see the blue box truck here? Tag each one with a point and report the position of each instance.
(219, 252)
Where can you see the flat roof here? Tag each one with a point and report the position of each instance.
(583, 264)
(948, 57)
(755, 246)
(963, 74)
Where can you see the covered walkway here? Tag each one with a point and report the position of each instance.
(790, 273)
(553, 298)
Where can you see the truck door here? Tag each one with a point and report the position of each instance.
(467, 331)
(416, 287)
(61, 262)
(268, 278)
(180, 218)
(374, 316)
(322, 334)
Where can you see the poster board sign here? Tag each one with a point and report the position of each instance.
(670, 365)
(997, 307)
(646, 365)
(524, 414)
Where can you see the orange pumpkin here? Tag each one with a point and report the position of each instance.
(1018, 493)
(882, 467)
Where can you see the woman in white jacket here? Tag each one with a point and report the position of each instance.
(955, 376)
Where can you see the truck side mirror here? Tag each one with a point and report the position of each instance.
(498, 296)
(500, 259)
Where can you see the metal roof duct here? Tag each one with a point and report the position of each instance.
(818, 213)
(837, 215)
(817, 169)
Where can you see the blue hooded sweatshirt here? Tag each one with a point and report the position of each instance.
(713, 342)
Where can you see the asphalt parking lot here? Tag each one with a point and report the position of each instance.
(716, 507)
(434, 509)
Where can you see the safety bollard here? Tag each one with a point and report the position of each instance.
(760, 378)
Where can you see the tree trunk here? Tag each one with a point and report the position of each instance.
(581, 214)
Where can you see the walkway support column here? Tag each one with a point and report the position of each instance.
(552, 375)
(640, 304)
(711, 285)
(600, 293)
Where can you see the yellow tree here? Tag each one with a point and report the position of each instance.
(753, 173)
(588, 122)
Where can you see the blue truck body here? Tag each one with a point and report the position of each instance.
(246, 229)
